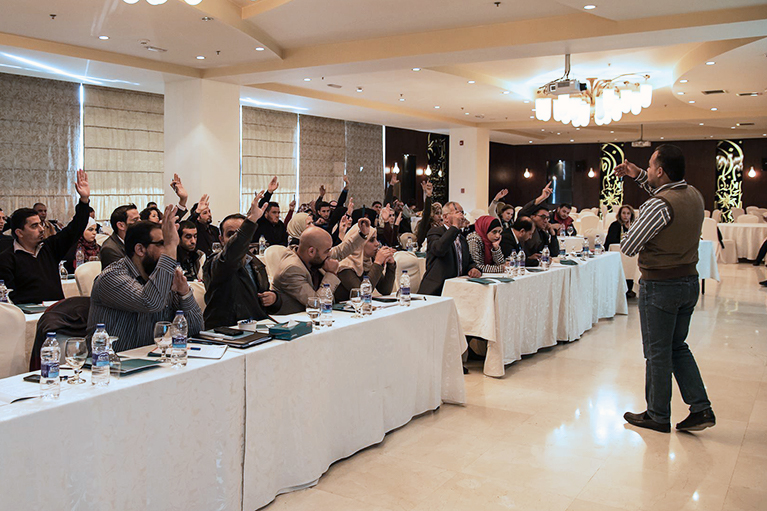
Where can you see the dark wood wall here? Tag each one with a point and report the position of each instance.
(416, 144)
(508, 163)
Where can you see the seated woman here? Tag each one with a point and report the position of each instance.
(297, 225)
(371, 259)
(87, 243)
(152, 213)
(615, 234)
(485, 244)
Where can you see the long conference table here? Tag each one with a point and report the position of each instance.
(748, 238)
(538, 309)
(231, 433)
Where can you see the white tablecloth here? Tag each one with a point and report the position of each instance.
(539, 309)
(707, 265)
(748, 238)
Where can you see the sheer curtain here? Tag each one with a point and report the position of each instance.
(269, 148)
(39, 144)
(124, 148)
(323, 157)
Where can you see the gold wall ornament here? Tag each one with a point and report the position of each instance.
(612, 186)
(729, 178)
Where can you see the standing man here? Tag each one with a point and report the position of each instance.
(666, 237)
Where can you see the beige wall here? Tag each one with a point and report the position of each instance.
(469, 167)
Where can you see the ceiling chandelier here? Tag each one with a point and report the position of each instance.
(160, 2)
(603, 100)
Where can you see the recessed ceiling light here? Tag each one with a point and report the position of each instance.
(436, 106)
(543, 129)
(532, 117)
(589, 7)
(732, 128)
(577, 129)
(714, 109)
(416, 69)
(571, 140)
(680, 93)
(683, 81)
(710, 63)
(472, 81)
(200, 57)
(206, 18)
(307, 79)
(505, 92)
(531, 141)
(359, 89)
(260, 48)
(612, 132)
(526, 101)
(557, 133)
(701, 124)
(104, 37)
(691, 102)
(402, 99)
(661, 138)
(467, 113)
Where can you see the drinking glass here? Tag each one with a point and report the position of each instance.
(163, 338)
(313, 309)
(75, 353)
(570, 230)
(355, 298)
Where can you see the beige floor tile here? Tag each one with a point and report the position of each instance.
(750, 472)
(319, 500)
(745, 499)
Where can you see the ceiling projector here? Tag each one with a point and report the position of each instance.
(560, 87)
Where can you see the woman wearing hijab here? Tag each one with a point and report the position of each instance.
(88, 243)
(370, 259)
(298, 225)
(485, 245)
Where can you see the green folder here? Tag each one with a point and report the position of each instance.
(501, 279)
(31, 308)
(568, 262)
(484, 282)
(534, 270)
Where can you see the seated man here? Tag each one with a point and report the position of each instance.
(543, 236)
(515, 238)
(271, 227)
(236, 283)
(301, 272)
(561, 221)
(113, 248)
(144, 287)
(207, 233)
(189, 258)
(31, 267)
(447, 254)
(49, 227)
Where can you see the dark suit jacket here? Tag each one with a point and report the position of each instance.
(441, 259)
(536, 243)
(509, 242)
(112, 250)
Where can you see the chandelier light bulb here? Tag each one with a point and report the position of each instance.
(130, 1)
(395, 170)
(645, 93)
(156, 2)
(427, 171)
(193, 2)
(543, 109)
(626, 100)
(591, 173)
(752, 172)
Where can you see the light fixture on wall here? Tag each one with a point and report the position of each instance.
(419, 172)
(395, 170)
(752, 172)
(591, 172)
(427, 171)
(527, 174)
(387, 170)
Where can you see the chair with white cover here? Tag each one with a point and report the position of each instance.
(747, 219)
(85, 274)
(272, 257)
(752, 210)
(573, 210)
(706, 213)
(407, 261)
(589, 222)
(405, 237)
(630, 264)
(101, 238)
(726, 255)
(716, 215)
(609, 219)
(736, 212)
(12, 350)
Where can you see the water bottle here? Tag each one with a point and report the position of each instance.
(3, 292)
(521, 262)
(508, 268)
(50, 355)
(79, 257)
(545, 258)
(63, 273)
(366, 290)
(404, 289)
(326, 306)
(598, 245)
(261, 245)
(100, 356)
(180, 330)
(585, 249)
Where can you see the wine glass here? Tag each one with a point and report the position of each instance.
(313, 309)
(162, 337)
(570, 230)
(75, 353)
(355, 297)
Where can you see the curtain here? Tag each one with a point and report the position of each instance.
(322, 156)
(364, 162)
(39, 144)
(124, 148)
(269, 148)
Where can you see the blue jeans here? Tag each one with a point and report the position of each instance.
(665, 310)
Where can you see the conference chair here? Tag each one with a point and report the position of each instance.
(85, 274)
(736, 212)
(13, 326)
(589, 222)
(404, 238)
(747, 219)
(609, 219)
(272, 258)
(573, 210)
(752, 210)
(68, 318)
(101, 238)
(716, 215)
(630, 264)
(726, 254)
(410, 262)
(706, 213)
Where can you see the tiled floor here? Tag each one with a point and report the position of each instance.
(550, 435)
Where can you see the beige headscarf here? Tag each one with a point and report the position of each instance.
(297, 225)
(357, 260)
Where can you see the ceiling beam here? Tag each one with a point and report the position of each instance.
(260, 7)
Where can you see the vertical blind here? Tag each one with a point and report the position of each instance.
(124, 148)
(323, 156)
(39, 144)
(269, 148)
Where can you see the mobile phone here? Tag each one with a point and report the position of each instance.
(225, 330)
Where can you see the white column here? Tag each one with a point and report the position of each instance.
(469, 167)
(202, 142)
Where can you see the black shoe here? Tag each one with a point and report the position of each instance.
(763, 283)
(757, 263)
(631, 294)
(465, 370)
(698, 421)
(642, 420)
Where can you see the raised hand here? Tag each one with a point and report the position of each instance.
(292, 204)
(255, 212)
(394, 179)
(82, 186)
(627, 169)
(386, 213)
(181, 192)
(545, 193)
(428, 188)
(273, 185)
(203, 204)
(500, 195)
(322, 190)
(179, 285)
(399, 219)
(350, 207)
(346, 182)
(170, 231)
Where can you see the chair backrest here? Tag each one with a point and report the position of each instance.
(747, 219)
(68, 318)
(591, 235)
(752, 210)
(716, 215)
(12, 347)
(706, 213)
(85, 274)
(708, 231)
(476, 213)
(573, 210)
(405, 237)
(736, 212)
(101, 238)
(408, 261)
(609, 218)
(589, 222)
(272, 258)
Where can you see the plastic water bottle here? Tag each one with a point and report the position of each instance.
(585, 249)
(545, 258)
(562, 249)
(404, 289)
(63, 273)
(521, 262)
(508, 268)
(50, 355)
(180, 330)
(261, 245)
(366, 290)
(3, 292)
(100, 356)
(598, 245)
(326, 306)
(79, 257)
